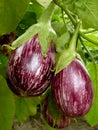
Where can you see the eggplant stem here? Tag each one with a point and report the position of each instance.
(72, 45)
(47, 15)
(74, 22)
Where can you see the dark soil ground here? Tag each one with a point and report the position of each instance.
(35, 123)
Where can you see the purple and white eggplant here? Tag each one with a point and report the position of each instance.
(73, 90)
(53, 116)
(28, 72)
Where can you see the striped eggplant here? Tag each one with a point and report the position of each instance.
(73, 90)
(28, 72)
(52, 115)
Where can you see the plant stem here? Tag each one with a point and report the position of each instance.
(72, 45)
(88, 39)
(94, 64)
(63, 19)
(87, 51)
(62, 6)
(80, 33)
(47, 15)
(70, 16)
(90, 31)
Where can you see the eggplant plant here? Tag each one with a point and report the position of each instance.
(45, 45)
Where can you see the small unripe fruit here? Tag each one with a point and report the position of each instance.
(53, 116)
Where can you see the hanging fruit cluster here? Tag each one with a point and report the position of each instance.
(33, 67)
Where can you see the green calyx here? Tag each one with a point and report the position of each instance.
(43, 28)
(69, 54)
(6, 49)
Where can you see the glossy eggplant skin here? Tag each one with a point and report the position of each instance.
(73, 90)
(28, 72)
(59, 121)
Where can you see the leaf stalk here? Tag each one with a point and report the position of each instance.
(63, 7)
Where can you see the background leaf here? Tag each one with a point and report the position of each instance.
(22, 111)
(94, 37)
(44, 3)
(61, 43)
(26, 107)
(31, 16)
(92, 116)
(7, 106)
(3, 62)
(87, 10)
(11, 12)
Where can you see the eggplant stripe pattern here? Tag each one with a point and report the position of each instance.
(73, 90)
(59, 121)
(28, 72)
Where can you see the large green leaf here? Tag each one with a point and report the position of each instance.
(32, 104)
(87, 10)
(26, 107)
(11, 12)
(94, 37)
(44, 3)
(7, 107)
(31, 16)
(22, 111)
(92, 116)
(3, 63)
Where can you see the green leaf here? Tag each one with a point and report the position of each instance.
(94, 37)
(32, 104)
(7, 106)
(87, 10)
(11, 12)
(36, 8)
(3, 63)
(22, 112)
(59, 27)
(26, 107)
(31, 16)
(92, 116)
(44, 3)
